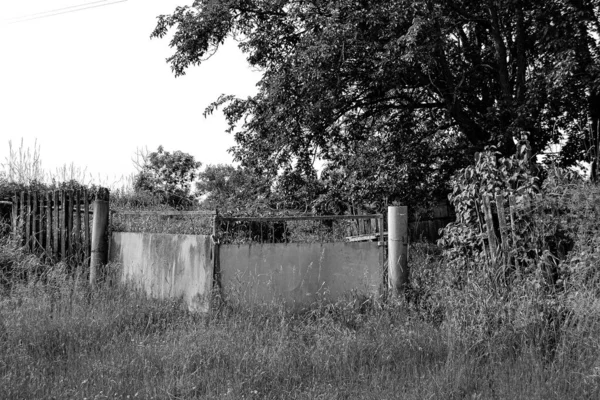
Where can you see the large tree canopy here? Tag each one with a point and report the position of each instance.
(231, 188)
(169, 175)
(395, 95)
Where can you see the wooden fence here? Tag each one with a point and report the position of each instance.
(428, 229)
(500, 228)
(55, 224)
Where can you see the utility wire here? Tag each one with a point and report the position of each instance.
(59, 11)
(55, 10)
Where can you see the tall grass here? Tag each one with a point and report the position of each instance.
(22, 167)
(60, 340)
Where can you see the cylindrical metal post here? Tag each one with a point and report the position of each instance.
(99, 254)
(397, 248)
(215, 246)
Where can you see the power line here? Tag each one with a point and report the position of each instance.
(55, 10)
(65, 10)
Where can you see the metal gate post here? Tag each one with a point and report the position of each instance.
(216, 255)
(397, 249)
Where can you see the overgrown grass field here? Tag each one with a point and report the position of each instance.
(526, 328)
(60, 340)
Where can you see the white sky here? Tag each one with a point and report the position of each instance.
(92, 87)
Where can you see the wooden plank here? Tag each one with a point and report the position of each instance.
(526, 203)
(41, 222)
(34, 221)
(500, 201)
(56, 224)
(367, 226)
(362, 238)
(441, 212)
(70, 222)
(492, 240)
(63, 224)
(86, 227)
(77, 226)
(361, 224)
(512, 207)
(49, 224)
(478, 204)
(15, 216)
(22, 213)
(28, 223)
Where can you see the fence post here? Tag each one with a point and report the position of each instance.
(49, 225)
(22, 219)
(382, 251)
(99, 235)
(63, 225)
(56, 225)
(15, 217)
(216, 250)
(28, 223)
(86, 228)
(397, 248)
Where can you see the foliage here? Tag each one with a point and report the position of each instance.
(399, 90)
(230, 188)
(60, 339)
(169, 175)
(23, 165)
(476, 284)
(546, 284)
(491, 174)
(146, 221)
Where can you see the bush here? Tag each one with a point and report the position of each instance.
(545, 283)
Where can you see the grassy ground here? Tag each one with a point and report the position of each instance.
(58, 340)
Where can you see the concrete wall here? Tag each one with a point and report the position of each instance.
(299, 273)
(166, 266)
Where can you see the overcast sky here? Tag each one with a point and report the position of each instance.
(92, 87)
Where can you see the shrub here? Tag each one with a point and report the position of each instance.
(528, 296)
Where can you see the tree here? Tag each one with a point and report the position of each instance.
(231, 188)
(169, 175)
(402, 90)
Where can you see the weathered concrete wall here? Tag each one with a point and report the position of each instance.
(299, 273)
(166, 266)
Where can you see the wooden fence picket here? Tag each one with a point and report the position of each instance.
(56, 225)
(28, 223)
(77, 227)
(49, 224)
(86, 224)
(502, 220)
(512, 208)
(15, 216)
(504, 246)
(69, 222)
(63, 224)
(53, 223)
(41, 225)
(489, 222)
(21, 227)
